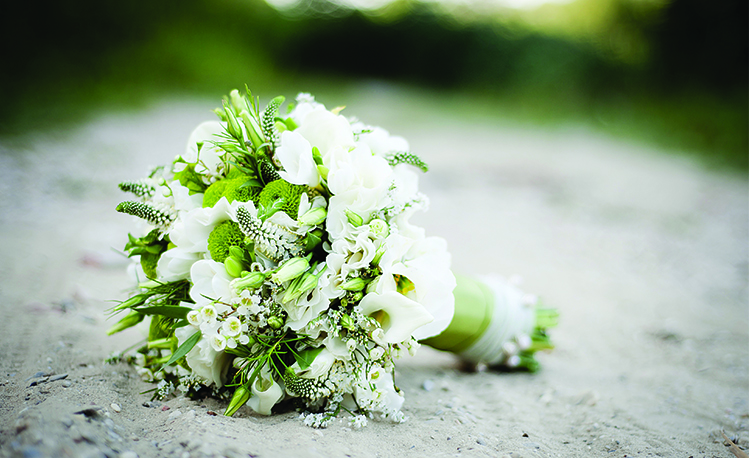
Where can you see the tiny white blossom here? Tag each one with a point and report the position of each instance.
(208, 313)
(218, 342)
(194, 318)
(232, 326)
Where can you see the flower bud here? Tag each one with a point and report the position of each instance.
(353, 284)
(239, 398)
(323, 171)
(313, 216)
(252, 280)
(356, 297)
(253, 129)
(378, 254)
(290, 270)
(236, 100)
(347, 322)
(379, 228)
(236, 252)
(128, 321)
(233, 266)
(354, 219)
(233, 126)
(275, 321)
(307, 282)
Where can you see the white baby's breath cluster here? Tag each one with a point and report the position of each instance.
(281, 262)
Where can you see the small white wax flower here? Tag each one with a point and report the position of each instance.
(243, 339)
(243, 310)
(351, 345)
(218, 342)
(194, 318)
(232, 326)
(378, 336)
(376, 353)
(208, 313)
(231, 343)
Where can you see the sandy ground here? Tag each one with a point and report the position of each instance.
(645, 255)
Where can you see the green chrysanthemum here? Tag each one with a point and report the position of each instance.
(214, 193)
(236, 191)
(225, 235)
(281, 189)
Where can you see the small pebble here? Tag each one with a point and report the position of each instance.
(174, 415)
(57, 377)
(428, 385)
(115, 407)
(164, 408)
(66, 383)
(481, 441)
(128, 454)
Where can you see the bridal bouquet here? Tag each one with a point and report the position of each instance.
(278, 263)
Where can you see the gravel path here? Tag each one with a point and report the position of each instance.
(645, 255)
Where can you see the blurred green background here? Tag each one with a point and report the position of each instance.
(669, 73)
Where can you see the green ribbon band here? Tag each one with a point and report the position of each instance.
(475, 305)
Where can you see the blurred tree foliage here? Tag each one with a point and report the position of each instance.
(675, 74)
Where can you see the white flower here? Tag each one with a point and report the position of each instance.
(175, 264)
(266, 392)
(398, 315)
(205, 362)
(295, 155)
(379, 141)
(209, 158)
(218, 342)
(211, 283)
(195, 318)
(232, 326)
(208, 313)
(319, 367)
(326, 131)
(376, 353)
(359, 183)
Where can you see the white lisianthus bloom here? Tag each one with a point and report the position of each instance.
(379, 140)
(209, 157)
(295, 155)
(191, 234)
(359, 183)
(326, 131)
(205, 362)
(398, 315)
(175, 264)
(210, 284)
(266, 392)
(305, 104)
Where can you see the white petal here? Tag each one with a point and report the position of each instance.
(402, 315)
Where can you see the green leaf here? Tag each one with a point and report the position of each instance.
(180, 324)
(169, 311)
(183, 349)
(305, 358)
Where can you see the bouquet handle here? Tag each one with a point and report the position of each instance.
(495, 324)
